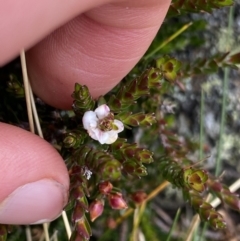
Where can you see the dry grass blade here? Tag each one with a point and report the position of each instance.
(27, 91)
(28, 233)
(138, 212)
(35, 114)
(30, 102)
(54, 236)
(66, 224)
(193, 226)
(32, 111)
(46, 233)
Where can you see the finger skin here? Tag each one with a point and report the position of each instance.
(26, 158)
(24, 23)
(93, 51)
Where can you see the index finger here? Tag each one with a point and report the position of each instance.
(96, 49)
(24, 23)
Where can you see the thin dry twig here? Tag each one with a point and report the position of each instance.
(153, 194)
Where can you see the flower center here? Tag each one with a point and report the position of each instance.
(107, 123)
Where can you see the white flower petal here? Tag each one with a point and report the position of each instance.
(108, 137)
(102, 111)
(103, 138)
(95, 133)
(119, 125)
(89, 120)
(112, 137)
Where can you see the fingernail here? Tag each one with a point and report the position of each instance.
(35, 202)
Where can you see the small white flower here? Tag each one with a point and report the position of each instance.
(86, 172)
(101, 125)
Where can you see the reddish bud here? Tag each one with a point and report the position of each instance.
(83, 228)
(105, 187)
(139, 197)
(96, 209)
(111, 223)
(77, 237)
(78, 213)
(116, 201)
(77, 192)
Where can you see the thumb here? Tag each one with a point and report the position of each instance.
(34, 180)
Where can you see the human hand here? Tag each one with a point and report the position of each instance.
(97, 48)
